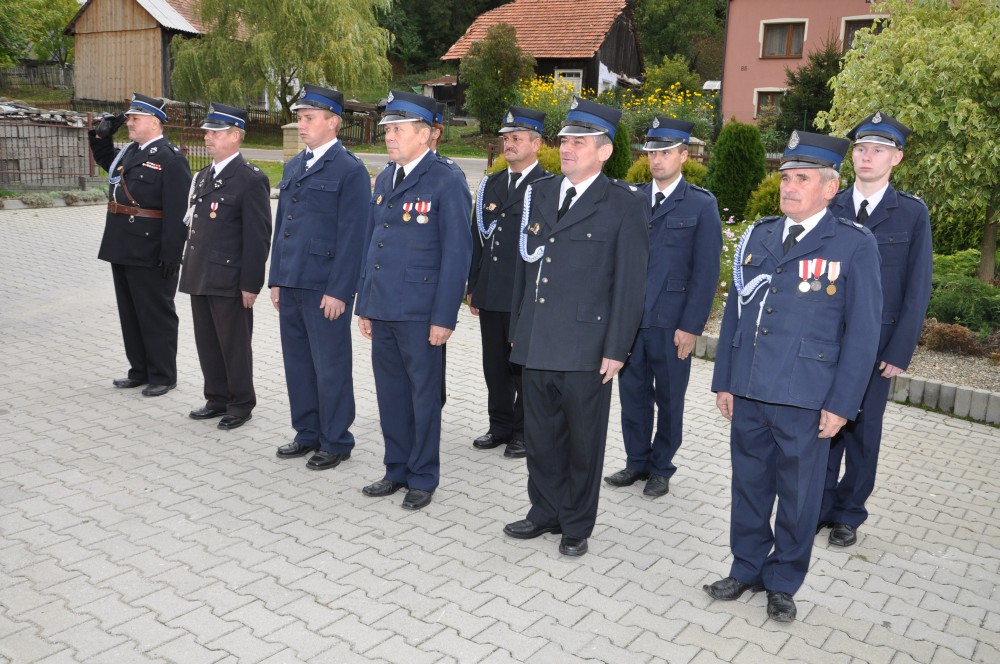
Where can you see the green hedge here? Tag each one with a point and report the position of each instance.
(957, 296)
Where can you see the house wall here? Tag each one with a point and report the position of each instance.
(118, 52)
(620, 51)
(746, 73)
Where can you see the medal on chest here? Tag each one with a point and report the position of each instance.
(832, 273)
(423, 207)
(214, 206)
(810, 271)
(407, 207)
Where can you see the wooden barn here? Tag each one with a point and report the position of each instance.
(594, 44)
(123, 46)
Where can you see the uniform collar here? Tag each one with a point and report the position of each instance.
(523, 173)
(320, 151)
(580, 188)
(148, 143)
(225, 162)
(671, 188)
(873, 200)
(413, 164)
(807, 225)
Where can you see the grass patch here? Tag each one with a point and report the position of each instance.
(33, 94)
(45, 198)
(272, 169)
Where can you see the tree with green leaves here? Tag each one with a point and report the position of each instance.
(737, 166)
(491, 71)
(690, 28)
(14, 32)
(673, 70)
(809, 92)
(934, 67)
(34, 29)
(621, 158)
(259, 46)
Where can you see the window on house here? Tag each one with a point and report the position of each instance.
(572, 76)
(768, 101)
(783, 40)
(851, 29)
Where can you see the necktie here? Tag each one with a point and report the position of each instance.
(863, 212)
(659, 201)
(309, 156)
(400, 174)
(514, 177)
(570, 193)
(794, 231)
(211, 173)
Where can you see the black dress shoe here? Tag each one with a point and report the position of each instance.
(780, 607)
(206, 413)
(528, 529)
(823, 524)
(729, 589)
(573, 546)
(626, 477)
(383, 487)
(294, 449)
(125, 383)
(157, 390)
(488, 441)
(326, 460)
(515, 449)
(843, 535)
(233, 421)
(656, 486)
(416, 499)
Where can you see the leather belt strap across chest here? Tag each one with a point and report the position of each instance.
(133, 211)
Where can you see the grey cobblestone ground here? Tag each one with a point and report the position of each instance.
(130, 533)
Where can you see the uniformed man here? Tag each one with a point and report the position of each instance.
(685, 245)
(577, 304)
(316, 254)
(797, 343)
(228, 242)
(902, 226)
(416, 259)
(144, 239)
(496, 225)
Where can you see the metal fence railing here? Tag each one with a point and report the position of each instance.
(49, 76)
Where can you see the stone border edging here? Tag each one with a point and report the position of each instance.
(966, 402)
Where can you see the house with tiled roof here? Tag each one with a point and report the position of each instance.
(593, 44)
(124, 46)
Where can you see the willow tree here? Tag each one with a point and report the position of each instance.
(273, 46)
(936, 68)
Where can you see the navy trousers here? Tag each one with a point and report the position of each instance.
(566, 428)
(223, 330)
(407, 372)
(776, 456)
(653, 375)
(857, 446)
(318, 365)
(503, 379)
(149, 322)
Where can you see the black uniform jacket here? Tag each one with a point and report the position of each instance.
(158, 179)
(491, 278)
(583, 300)
(230, 232)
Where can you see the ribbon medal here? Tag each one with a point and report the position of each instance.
(378, 201)
(423, 207)
(818, 267)
(406, 211)
(804, 275)
(491, 207)
(832, 272)
(535, 228)
(214, 206)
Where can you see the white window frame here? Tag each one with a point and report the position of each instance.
(851, 19)
(772, 21)
(574, 76)
(756, 98)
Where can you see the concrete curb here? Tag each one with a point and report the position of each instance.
(948, 398)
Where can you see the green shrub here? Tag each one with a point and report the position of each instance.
(548, 158)
(963, 263)
(737, 166)
(765, 199)
(621, 159)
(693, 171)
(965, 301)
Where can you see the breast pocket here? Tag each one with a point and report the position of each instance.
(893, 247)
(677, 231)
(224, 270)
(590, 245)
(815, 366)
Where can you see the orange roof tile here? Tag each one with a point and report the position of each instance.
(547, 28)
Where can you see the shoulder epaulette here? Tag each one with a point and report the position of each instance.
(701, 189)
(252, 167)
(909, 195)
(764, 220)
(624, 185)
(388, 164)
(854, 224)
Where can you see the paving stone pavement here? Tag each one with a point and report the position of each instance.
(130, 533)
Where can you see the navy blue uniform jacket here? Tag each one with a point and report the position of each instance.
(902, 226)
(491, 279)
(319, 224)
(812, 350)
(583, 300)
(415, 271)
(226, 254)
(158, 179)
(685, 242)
